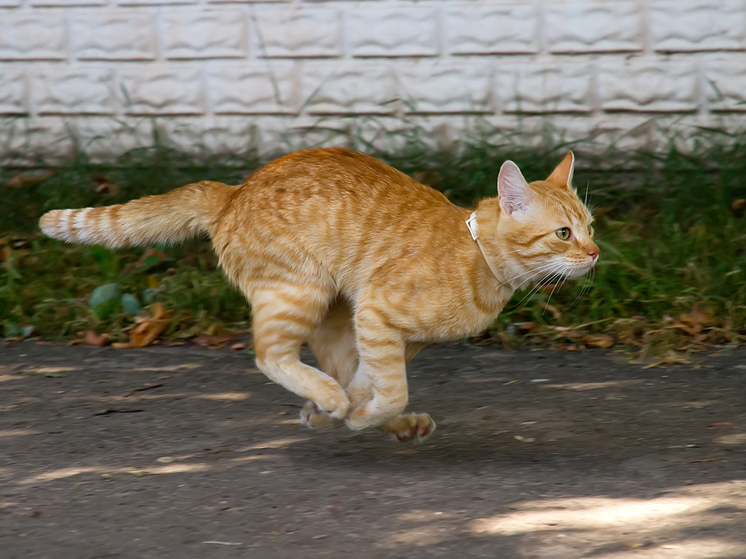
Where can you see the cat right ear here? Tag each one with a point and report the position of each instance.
(513, 191)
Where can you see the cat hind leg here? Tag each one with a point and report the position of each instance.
(284, 317)
(333, 344)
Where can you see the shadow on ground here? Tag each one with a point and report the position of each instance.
(180, 452)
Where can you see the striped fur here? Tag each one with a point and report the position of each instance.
(363, 263)
(170, 218)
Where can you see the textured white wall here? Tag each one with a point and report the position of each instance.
(229, 75)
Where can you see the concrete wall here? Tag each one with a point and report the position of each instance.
(225, 75)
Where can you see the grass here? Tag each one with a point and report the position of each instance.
(670, 226)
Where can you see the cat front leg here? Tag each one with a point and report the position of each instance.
(379, 387)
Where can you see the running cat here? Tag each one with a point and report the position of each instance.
(362, 262)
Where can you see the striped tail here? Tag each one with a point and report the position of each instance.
(166, 219)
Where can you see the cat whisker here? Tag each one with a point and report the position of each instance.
(538, 270)
(586, 287)
(563, 276)
(546, 267)
(541, 283)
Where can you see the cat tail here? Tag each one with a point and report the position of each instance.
(166, 219)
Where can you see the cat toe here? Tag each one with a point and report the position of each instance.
(314, 417)
(415, 427)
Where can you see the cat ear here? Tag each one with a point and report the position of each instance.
(562, 174)
(512, 189)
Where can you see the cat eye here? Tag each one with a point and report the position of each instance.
(563, 233)
(590, 230)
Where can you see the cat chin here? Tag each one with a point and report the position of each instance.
(579, 272)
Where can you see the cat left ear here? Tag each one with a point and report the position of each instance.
(513, 191)
(562, 174)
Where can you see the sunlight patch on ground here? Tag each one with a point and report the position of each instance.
(670, 512)
(52, 370)
(254, 458)
(168, 368)
(275, 443)
(709, 548)
(732, 439)
(663, 527)
(417, 515)
(582, 386)
(235, 396)
(426, 535)
(224, 396)
(645, 528)
(17, 432)
(63, 473)
(6, 378)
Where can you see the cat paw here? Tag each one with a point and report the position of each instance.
(410, 427)
(334, 402)
(314, 417)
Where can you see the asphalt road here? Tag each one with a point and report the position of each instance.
(192, 453)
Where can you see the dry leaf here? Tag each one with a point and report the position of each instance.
(526, 327)
(147, 329)
(691, 323)
(603, 340)
(121, 345)
(106, 186)
(738, 204)
(211, 341)
(91, 338)
(670, 358)
(28, 179)
(238, 347)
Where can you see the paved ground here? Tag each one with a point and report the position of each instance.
(537, 454)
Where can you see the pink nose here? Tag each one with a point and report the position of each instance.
(593, 254)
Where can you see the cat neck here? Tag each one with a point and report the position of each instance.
(480, 223)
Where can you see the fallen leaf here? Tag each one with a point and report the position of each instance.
(91, 338)
(723, 424)
(211, 341)
(147, 329)
(526, 327)
(238, 347)
(121, 345)
(105, 186)
(738, 204)
(602, 340)
(28, 179)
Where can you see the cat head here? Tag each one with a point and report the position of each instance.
(544, 227)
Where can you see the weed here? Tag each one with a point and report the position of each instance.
(670, 225)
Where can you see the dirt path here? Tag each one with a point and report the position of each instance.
(191, 453)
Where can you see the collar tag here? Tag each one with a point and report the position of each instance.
(471, 223)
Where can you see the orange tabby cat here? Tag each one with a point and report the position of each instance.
(360, 261)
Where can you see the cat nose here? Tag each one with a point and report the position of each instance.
(593, 253)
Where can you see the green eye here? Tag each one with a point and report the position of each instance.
(590, 230)
(563, 233)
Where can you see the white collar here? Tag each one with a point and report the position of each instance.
(471, 223)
